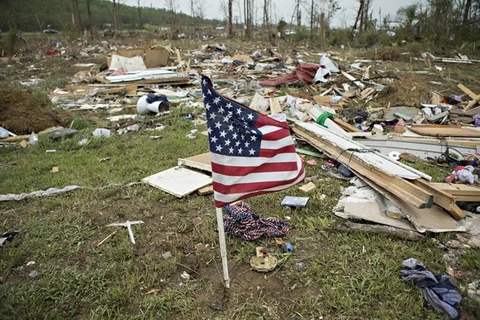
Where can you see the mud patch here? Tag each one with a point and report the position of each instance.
(408, 92)
(21, 113)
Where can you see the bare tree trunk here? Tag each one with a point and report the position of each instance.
(115, 26)
(266, 19)
(299, 14)
(323, 27)
(359, 17)
(74, 15)
(79, 16)
(230, 19)
(139, 14)
(249, 18)
(90, 21)
(466, 11)
(366, 8)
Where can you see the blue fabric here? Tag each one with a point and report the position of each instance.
(438, 290)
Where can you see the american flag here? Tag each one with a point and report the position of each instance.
(251, 153)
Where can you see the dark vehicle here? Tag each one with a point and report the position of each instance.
(50, 31)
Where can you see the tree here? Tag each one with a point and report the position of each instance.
(90, 21)
(139, 14)
(230, 19)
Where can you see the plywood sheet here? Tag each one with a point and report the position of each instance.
(178, 181)
(199, 161)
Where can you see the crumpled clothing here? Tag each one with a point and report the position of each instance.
(151, 98)
(245, 224)
(438, 291)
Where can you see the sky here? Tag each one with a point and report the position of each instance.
(282, 8)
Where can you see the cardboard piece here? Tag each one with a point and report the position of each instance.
(364, 203)
(178, 181)
(200, 161)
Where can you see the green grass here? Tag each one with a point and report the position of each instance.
(346, 275)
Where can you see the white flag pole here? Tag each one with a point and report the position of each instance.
(223, 246)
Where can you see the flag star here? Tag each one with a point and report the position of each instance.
(237, 143)
(219, 148)
(254, 138)
(209, 130)
(214, 139)
(252, 152)
(207, 105)
(239, 111)
(221, 110)
(203, 96)
(204, 82)
(230, 113)
(230, 127)
(247, 144)
(225, 119)
(216, 100)
(227, 142)
(218, 125)
(240, 150)
(209, 92)
(253, 131)
(229, 105)
(243, 137)
(250, 116)
(230, 150)
(234, 136)
(212, 115)
(223, 134)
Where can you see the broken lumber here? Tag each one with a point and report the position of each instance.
(275, 106)
(471, 94)
(414, 195)
(442, 198)
(379, 229)
(461, 192)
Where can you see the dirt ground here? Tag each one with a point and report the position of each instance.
(21, 113)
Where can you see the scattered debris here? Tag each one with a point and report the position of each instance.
(127, 224)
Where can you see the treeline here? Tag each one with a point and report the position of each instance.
(73, 15)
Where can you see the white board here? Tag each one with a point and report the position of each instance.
(178, 181)
(377, 160)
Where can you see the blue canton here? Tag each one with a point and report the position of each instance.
(231, 127)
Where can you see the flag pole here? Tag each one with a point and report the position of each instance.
(223, 247)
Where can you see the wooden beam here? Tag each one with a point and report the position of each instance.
(459, 190)
(275, 106)
(471, 94)
(412, 194)
(441, 198)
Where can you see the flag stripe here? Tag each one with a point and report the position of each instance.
(223, 182)
(243, 171)
(251, 161)
(273, 152)
(222, 200)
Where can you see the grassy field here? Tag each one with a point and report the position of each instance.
(332, 274)
(55, 270)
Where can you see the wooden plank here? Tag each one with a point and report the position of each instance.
(205, 190)
(444, 130)
(459, 190)
(442, 198)
(352, 78)
(434, 219)
(412, 194)
(275, 106)
(346, 126)
(199, 161)
(469, 92)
